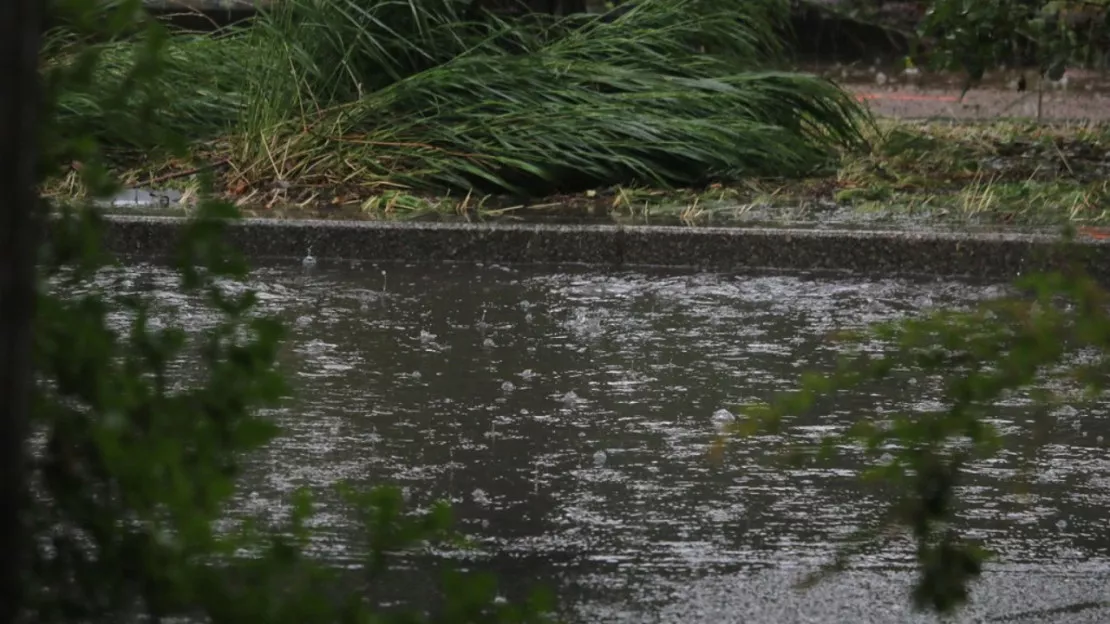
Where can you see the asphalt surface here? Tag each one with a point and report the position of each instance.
(1057, 104)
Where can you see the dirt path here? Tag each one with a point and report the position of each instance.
(1057, 105)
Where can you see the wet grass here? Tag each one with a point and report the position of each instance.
(386, 105)
(925, 173)
(914, 174)
(1004, 172)
(566, 119)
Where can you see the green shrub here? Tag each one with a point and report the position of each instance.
(130, 465)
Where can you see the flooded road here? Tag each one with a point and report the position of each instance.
(567, 415)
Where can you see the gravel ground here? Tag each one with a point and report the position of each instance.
(989, 103)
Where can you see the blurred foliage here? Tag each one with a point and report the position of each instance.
(977, 36)
(1049, 341)
(132, 462)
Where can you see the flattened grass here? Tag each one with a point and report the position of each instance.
(411, 92)
(200, 81)
(349, 97)
(916, 174)
(921, 174)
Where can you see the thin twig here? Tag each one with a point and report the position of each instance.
(182, 174)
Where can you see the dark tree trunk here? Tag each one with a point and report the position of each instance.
(20, 23)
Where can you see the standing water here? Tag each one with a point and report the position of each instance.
(567, 415)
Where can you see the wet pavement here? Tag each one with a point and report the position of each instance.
(567, 414)
(983, 104)
(890, 90)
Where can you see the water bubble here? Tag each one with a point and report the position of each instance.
(488, 343)
(570, 399)
(585, 323)
(723, 417)
(1061, 524)
(416, 375)
(479, 495)
(1099, 439)
(527, 373)
(507, 386)
(426, 336)
(599, 458)
(1066, 411)
(309, 260)
(717, 515)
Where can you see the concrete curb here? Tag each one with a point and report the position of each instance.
(942, 254)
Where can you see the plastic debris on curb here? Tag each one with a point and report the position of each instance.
(143, 198)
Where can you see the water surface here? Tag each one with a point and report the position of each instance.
(567, 413)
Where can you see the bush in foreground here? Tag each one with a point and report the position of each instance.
(131, 463)
(1049, 342)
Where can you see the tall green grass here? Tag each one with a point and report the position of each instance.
(431, 95)
(201, 81)
(420, 93)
